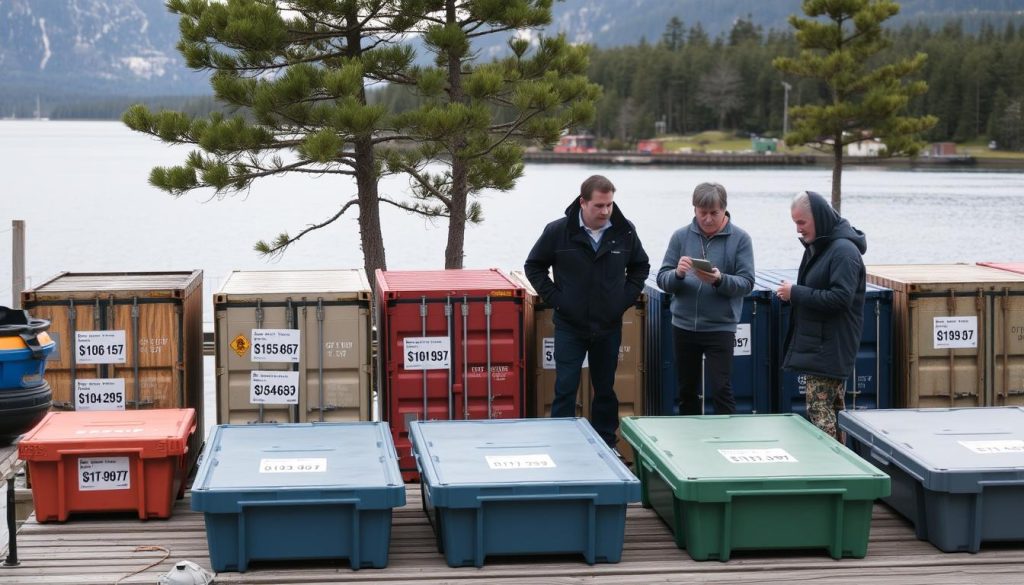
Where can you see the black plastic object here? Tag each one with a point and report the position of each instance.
(21, 409)
(20, 323)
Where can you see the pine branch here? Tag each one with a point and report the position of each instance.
(283, 241)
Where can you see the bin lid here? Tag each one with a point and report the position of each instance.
(947, 449)
(707, 458)
(458, 459)
(153, 433)
(293, 457)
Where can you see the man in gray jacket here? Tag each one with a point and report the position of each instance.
(708, 268)
(827, 300)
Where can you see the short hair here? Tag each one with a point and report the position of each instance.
(709, 196)
(595, 183)
(801, 200)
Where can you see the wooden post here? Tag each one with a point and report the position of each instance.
(17, 261)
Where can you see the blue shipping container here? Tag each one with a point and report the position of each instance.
(752, 359)
(298, 491)
(873, 368)
(957, 473)
(518, 487)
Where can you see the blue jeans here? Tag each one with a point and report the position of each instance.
(570, 349)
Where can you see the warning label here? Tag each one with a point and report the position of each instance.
(240, 344)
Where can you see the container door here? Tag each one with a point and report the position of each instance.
(335, 361)
(152, 378)
(1008, 348)
(660, 378)
(234, 373)
(947, 335)
(62, 367)
(545, 373)
(489, 347)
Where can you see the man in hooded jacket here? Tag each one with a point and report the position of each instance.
(827, 301)
(599, 269)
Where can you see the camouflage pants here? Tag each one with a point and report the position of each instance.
(825, 398)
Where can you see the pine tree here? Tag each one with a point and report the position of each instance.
(866, 100)
(476, 117)
(295, 74)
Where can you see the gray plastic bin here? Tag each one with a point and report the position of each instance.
(957, 474)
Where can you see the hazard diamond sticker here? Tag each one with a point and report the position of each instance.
(240, 344)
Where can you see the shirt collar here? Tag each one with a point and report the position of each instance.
(595, 233)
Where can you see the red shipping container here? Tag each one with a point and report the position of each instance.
(440, 333)
(108, 461)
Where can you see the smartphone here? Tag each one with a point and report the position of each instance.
(703, 265)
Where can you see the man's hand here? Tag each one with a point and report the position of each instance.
(784, 290)
(709, 277)
(684, 266)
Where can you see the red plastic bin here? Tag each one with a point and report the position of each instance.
(108, 461)
(478, 317)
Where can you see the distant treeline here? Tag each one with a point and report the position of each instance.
(112, 108)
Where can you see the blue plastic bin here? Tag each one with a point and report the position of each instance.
(872, 368)
(751, 374)
(24, 347)
(522, 487)
(299, 491)
(957, 474)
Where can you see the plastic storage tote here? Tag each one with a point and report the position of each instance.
(522, 487)
(451, 346)
(754, 482)
(328, 313)
(540, 362)
(870, 385)
(298, 491)
(108, 461)
(24, 347)
(751, 364)
(21, 409)
(957, 474)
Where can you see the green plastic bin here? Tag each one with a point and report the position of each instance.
(754, 482)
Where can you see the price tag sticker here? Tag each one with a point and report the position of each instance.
(294, 465)
(955, 332)
(99, 347)
(275, 345)
(548, 353)
(273, 387)
(427, 353)
(757, 456)
(530, 461)
(994, 447)
(103, 473)
(101, 394)
(742, 339)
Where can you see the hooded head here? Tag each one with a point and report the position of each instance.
(819, 225)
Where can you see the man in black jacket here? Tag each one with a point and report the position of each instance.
(827, 313)
(599, 270)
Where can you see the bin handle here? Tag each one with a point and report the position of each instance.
(107, 451)
(317, 501)
(1001, 482)
(798, 492)
(536, 497)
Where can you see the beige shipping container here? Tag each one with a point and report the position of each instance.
(331, 311)
(161, 315)
(540, 335)
(952, 326)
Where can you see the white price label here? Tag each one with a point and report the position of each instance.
(742, 339)
(99, 347)
(530, 461)
(103, 473)
(294, 465)
(101, 394)
(955, 332)
(273, 387)
(548, 350)
(757, 456)
(994, 447)
(275, 345)
(427, 353)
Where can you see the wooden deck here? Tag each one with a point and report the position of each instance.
(105, 550)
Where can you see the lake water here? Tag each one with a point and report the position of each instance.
(82, 189)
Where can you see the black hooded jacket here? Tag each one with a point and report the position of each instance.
(827, 314)
(591, 290)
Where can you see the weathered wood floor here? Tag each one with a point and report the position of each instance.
(85, 551)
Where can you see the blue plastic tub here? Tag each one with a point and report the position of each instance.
(871, 383)
(522, 487)
(957, 474)
(301, 491)
(751, 365)
(24, 347)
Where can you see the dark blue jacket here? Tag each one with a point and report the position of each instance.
(827, 313)
(591, 290)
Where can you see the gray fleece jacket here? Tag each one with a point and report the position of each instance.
(697, 306)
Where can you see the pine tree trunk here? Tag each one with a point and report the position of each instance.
(370, 235)
(837, 174)
(455, 251)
